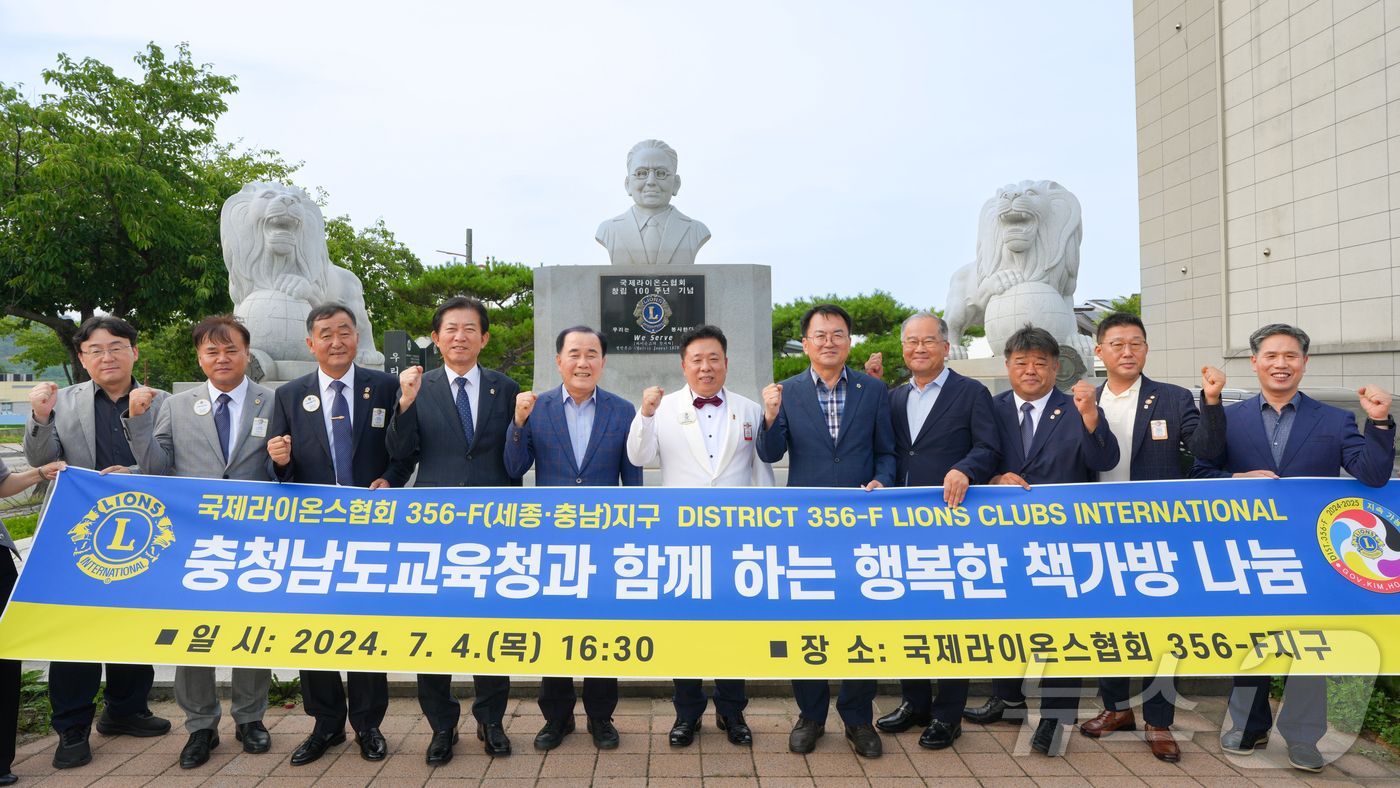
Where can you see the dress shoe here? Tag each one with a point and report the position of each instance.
(1163, 745)
(683, 732)
(865, 741)
(440, 748)
(1049, 737)
(939, 735)
(735, 728)
(553, 733)
(902, 719)
(803, 738)
(372, 745)
(140, 724)
(1109, 721)
(254, 736)
(994, 710)
(73, 749)
(494, 739)
(8, 778)
(315, 746)
(1242, 742)
(1305, 757)
(604, 733)
(196, 751)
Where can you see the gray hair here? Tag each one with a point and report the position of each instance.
(942, 324)
(1275, 329)
(652, 144)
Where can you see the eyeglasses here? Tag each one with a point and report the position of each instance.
(820, 337)
(659, 173)
(116, 351)
(916, 342)
(1136, 345)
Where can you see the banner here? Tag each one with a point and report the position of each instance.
(1204, 577)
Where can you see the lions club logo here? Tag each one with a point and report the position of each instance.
(653, 313)
(1361, 539)
(120, 537)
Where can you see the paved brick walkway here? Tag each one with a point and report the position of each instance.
(983, 756)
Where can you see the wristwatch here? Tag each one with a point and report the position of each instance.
(1388, 424)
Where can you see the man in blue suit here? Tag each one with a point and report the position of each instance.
(1154, 422)
(1278, 433)
(575, 435)
(944, 435)
(1047, 437)
(836, 424)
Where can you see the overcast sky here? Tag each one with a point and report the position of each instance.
(849, 146)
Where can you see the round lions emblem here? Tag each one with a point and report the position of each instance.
(653, 313)
(1361, 539)
(120, 536)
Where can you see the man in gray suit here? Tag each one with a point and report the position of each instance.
(214, 431)
(652, 232)
(82, 425)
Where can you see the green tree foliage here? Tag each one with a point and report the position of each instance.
(39, 348)
(379, 259)
(1131, 304)
(875, 318)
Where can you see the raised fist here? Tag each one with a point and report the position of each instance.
(1086, 402)
(1375, 401)
(650, 399)
(279, 448)
(1212, 382)
(41, 399)
(139, 401)
(875, 365)
(772, 401)
(410, 381)
(524, 405)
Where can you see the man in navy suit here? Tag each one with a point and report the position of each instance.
(1278, 433)
(451, 423)
(1047, 437)
(1153, 422)
(328, 428)
(575, 435)
(836, 424)
(944, 435)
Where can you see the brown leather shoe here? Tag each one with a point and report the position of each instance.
(1162, 744)
(1108, 722)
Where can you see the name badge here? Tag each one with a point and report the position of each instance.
(259, 428)
(748, 431)
(202, 407)
(687, 417)
(376, 418)
(1159, 429)
(311, 403)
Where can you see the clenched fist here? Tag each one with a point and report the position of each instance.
(41, 399)
(772, 402)
(1086, 402)
(524, 405)
(279, 448)
(139, 401)
(1375, 401)
(875, 365)
(650, 399)
(1212, 382)
(410, 380)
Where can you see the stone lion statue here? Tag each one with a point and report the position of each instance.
(274, 240)
(1026, 268)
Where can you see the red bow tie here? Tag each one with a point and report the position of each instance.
(701, 402)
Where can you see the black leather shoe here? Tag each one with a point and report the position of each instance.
(8, 778)
(735, 728)
(865, 741)
(1049, 737)
(553, 733)
(683, 732)
(939, 735)
(254, 736)
(196, 751)
(73, 749)
(141, 724)
(494, 739)
(1242, 742)
(604, 733)
(994, 710)
(805, 733)
(315, 746)
(440, 748)
(902, 719)
(372, 745)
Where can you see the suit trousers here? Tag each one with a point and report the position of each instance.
(9, 674)
(1059, 698)
(195, 692)
(557, 697)
(364, 698)
(491, 694)
(74, 685)
(438, 703)
(1158, 703)
(855, 702)
(1302, 718)
(946, 706)
(730, 695)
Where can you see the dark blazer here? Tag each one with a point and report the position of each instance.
(311, 448)
(863, 451)
(1063, 451)
(1200, 432)
(430, 435)
(959, 432)
(1322, 442)
(544, 442)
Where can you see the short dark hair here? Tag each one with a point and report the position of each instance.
(1117, 319)
(1029, 339)
(1274, 329)
(705, 332)
(830, 310)
(220, 328)
(323, 311)
(559, 340)
(462, 302)
(112, 325)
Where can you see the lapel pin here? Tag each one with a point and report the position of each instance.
(857, 385)
(366, 394)
(492, 392)
(257, 401)
(1056, 413)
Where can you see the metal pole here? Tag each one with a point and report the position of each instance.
(469, 247)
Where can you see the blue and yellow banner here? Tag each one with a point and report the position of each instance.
(1206, 578)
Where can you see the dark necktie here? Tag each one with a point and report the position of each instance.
(221, 425)
(701, 402)
(1027, 429)
(340, 436)
(464, 411)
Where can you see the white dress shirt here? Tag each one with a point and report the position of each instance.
(473, 377)
(714, 424)
(235, 409)
(1121, 411)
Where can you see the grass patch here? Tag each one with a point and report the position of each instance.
(11, 434)
(34, 708)
(22, 526)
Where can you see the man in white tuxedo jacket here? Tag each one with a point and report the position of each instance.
(704, 437)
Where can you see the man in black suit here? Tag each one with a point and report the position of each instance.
(452, 423)
(944, 435)
(1046, 437)
(328, 428)
(1153, 423)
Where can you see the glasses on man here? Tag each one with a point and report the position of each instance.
(659, 173)
(917, 342)
(115, 351)
(1136, 345)
(822, 337)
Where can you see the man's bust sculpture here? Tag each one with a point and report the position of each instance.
(652, 232)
